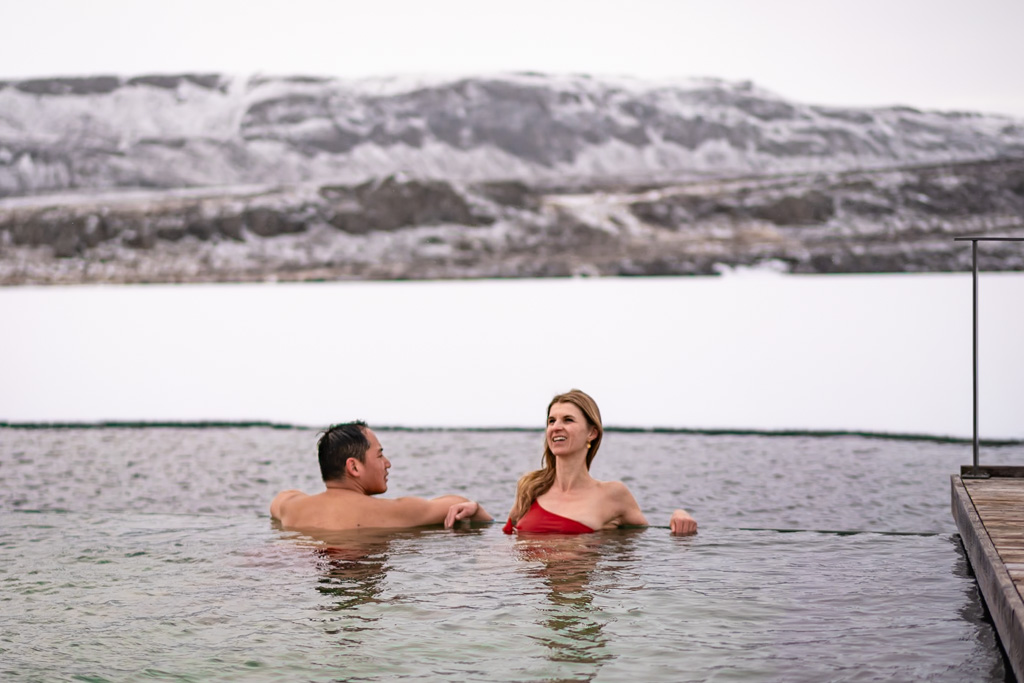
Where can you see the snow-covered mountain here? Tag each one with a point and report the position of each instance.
(212, 130)
(206, 177)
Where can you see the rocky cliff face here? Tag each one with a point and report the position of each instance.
(185, 178)
(893, 220)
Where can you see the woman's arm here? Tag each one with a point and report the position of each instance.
(682, 524)
(624, 506)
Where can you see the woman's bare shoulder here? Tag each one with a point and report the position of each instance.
(616, 490)
(621, 505)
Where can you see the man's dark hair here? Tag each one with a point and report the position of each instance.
(339, 443)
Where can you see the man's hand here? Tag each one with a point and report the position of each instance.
(682, 524)
(460, 511)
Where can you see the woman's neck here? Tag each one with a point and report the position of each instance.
(571, 473)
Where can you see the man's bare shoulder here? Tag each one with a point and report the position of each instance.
(281, 500)
(325, 510)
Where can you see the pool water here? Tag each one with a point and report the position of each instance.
(148, 553)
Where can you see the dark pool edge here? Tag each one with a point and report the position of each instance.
(236, 424)
(997, 587)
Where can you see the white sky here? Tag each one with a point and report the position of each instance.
(930, 54)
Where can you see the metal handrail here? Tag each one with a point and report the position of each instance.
(974, 259)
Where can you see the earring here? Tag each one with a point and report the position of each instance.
(588, 445)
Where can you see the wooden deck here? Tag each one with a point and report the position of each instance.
(990, 516)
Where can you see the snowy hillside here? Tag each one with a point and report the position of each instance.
(212, 130)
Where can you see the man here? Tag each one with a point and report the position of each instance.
(354, 469)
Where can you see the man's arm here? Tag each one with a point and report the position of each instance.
(469, 511)
(412, 511)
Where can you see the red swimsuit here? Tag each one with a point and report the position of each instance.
(537, 520)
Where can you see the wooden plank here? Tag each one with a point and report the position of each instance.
(1000, 588)
(995, 470)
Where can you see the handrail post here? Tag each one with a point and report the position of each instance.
(976, 472)
(974, 260)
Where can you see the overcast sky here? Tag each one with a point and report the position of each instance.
(930, 54)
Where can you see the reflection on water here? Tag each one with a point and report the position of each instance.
(353, 567)
(351, 576)
(566, 565)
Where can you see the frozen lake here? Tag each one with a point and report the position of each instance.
(749, 350)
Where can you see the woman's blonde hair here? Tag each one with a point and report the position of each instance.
(533, 484)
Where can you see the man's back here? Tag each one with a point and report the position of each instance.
(297, 510)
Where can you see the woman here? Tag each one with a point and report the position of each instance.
(562, 497)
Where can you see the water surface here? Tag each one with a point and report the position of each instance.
(130, 554)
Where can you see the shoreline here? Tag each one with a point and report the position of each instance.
(258, 424)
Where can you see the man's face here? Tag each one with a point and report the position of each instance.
(375, 468)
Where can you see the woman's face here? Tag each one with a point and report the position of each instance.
(568, 430)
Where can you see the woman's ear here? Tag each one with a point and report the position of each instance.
(593, 434)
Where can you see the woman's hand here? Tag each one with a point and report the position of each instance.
(460, 511)
(682, 524)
